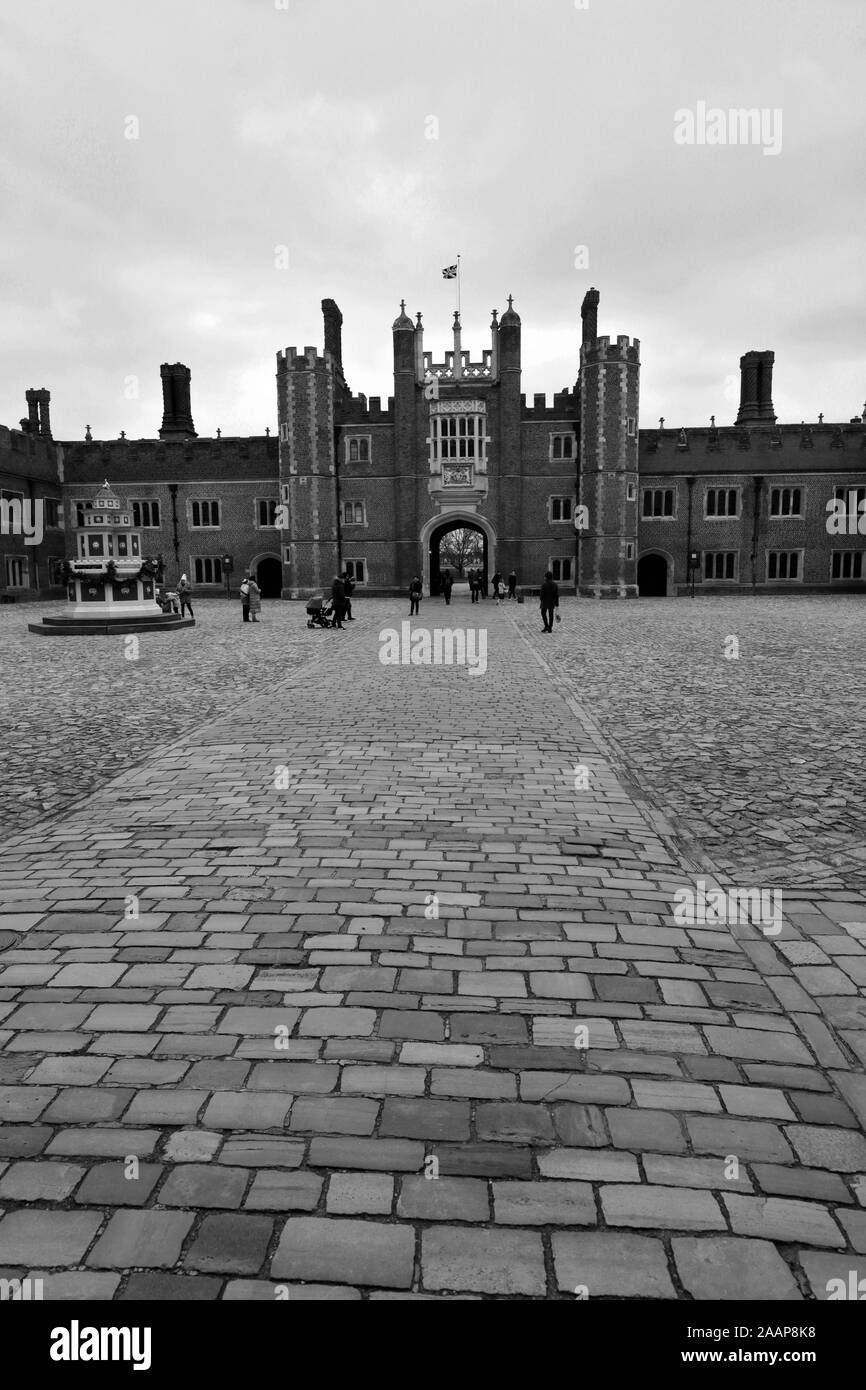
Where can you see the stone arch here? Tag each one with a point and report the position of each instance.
(267, 570)
(448, 519)
(655, 570)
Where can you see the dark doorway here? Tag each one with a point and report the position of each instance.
(458, 546)
(652, 576)
(269, 577)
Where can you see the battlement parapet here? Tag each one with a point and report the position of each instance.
(306, 361)
(460, 367)
(600, 349)
(563, 408)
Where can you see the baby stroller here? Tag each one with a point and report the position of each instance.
(320, 612)
(168, 600)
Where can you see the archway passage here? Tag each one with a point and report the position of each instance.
(269, 576)
(652, 576)
(458, 546)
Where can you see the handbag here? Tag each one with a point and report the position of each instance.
(558, 617)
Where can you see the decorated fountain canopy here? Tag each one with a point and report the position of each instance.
(107, 535)
(111, 585)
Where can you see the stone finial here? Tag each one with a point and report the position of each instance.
(820, 417)
(661, 422)
(267, 431)
(712, 422)
(219, 434)
(88, 437)
(123, 434)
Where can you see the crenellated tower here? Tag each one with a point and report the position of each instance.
(608, 386)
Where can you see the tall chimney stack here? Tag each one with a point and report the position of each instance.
(333, 331)
(38, 411)
(589, 314)
(176, 410)
(756, 389)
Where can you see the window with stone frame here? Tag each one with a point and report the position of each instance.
(356, 570)
(458, 437)
(784, 565)
(721, 503)
(266, 512)
(17, 572)
(354, 514)
(562, 446)
(720, 564)
(786, 501)
(204, 514)
(560, 508)
(846, 564)
(561, 567)
(659, 503)
(207, 569)
(145, 513)
(358, 448)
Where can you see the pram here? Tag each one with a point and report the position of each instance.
(320, 612)
(168, 600)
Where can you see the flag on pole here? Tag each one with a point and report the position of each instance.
(449, 272)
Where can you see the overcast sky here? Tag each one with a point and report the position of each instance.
(307, 127)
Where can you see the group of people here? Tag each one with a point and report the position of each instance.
(342, 589)
(478, 585)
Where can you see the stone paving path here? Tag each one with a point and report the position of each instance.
(355, 993)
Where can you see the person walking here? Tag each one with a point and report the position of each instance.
(549, 600)
(255, 601)
(348, 590)
(474, 585)
(338, 598)
(497, 585)
(245, 596)
(447, 586)
(482, 579)
(184, 593)
(512, 584)
(415, 591)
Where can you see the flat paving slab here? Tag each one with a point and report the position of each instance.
(360, 980)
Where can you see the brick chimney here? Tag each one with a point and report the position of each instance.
(176, 413)
(333, 331)
(756, 389)
(38, 413)
(589, 314)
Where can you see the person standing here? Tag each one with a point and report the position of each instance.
(415, 591)
(338, 598)
(512, 584)
(348, 590)
(474, 585)
(447, 586)
(255, 601)
(245, 596)
(184, 593)
(497, 585)
(549, 600)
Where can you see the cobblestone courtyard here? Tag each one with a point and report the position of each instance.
(245, 1050)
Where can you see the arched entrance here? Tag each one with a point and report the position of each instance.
(435, 532)
(652, 576)
(269, 576)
